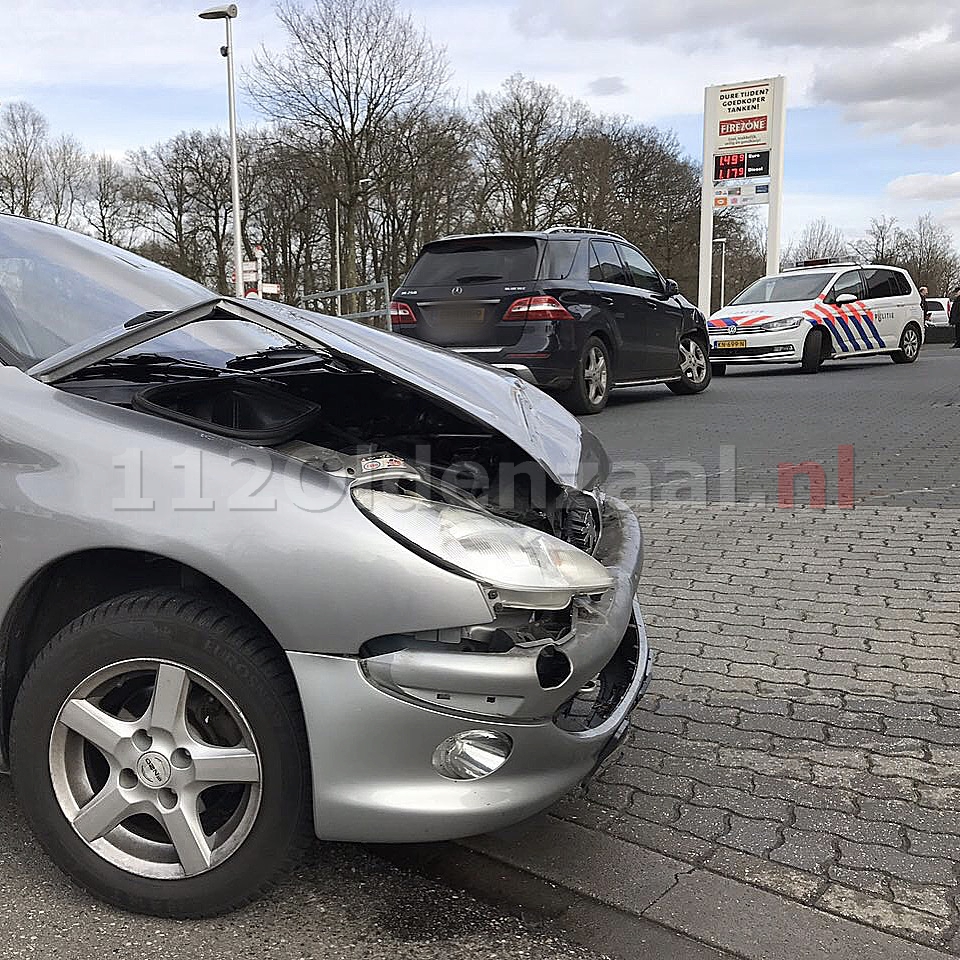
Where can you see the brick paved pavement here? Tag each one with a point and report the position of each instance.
(802, 733)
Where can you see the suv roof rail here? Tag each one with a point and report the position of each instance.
(590, 230)
(823, 262)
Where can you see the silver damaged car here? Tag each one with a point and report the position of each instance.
(266, 574)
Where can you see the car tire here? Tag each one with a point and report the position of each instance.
(718, 369)
(696, 371)
(592, 379)
(812, 356)
(910, 342)
(217, 759)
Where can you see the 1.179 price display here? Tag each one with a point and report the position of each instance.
(740, 166)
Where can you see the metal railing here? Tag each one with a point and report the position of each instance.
(380, 316)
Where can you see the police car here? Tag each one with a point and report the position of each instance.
(820, 310)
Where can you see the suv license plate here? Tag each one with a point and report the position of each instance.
(463, 315)
(731, 344)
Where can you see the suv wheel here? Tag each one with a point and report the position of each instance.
(694, 367)
(909, 345)
(158, 752)
(590, 389)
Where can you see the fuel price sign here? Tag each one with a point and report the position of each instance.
(740, 166)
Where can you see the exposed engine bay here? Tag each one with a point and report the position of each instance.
(354, 424)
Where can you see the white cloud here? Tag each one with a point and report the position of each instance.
(926, 186)
(909, 91)
(891, 65)
(847, 24)
(159, 43)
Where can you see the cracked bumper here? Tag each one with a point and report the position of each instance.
(371, 748)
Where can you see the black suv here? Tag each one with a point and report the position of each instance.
(573, 310)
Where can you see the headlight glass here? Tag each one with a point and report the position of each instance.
(497, 552)
(784, 323)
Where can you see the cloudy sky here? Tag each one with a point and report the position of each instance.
(873, 120)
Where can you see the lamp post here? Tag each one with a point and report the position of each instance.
(723, 269)
(336, 240)
(228, 13)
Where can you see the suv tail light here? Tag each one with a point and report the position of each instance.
(401, 314)
(537, 308)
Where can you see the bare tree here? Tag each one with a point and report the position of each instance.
(110, 201)
(349, 67)
(23, 138)
(928, 252)
(880, 245)
(207, 162)
(166, 193)
(424, 189)
(819, 240)
(64, 179)
(526, 132)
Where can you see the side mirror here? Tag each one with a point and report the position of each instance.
(671, 288)
(844, 299)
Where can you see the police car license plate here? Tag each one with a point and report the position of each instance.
(731, 344)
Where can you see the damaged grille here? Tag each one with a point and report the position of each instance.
(597, 700)
(581, 523)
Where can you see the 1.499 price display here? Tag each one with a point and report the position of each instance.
(740, 166)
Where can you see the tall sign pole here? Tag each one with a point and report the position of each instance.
(743, 140)
(710, 109)
(775, 213)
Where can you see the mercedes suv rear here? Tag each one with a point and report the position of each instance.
(573, 310)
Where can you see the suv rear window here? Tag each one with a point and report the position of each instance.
(476, 260)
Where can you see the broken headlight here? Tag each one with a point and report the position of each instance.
(524, 564)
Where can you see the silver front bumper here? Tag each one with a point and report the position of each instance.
(371, 749)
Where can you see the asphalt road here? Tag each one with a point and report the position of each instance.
(343, 902)
(732, 438)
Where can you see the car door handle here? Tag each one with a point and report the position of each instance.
(607, 300)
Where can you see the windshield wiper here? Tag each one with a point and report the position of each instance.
(134, 361)
(144, 317)
(286, 358)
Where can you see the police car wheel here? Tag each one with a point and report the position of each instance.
(812, 352)
(909, 345)
(695, 369)
(718, 369)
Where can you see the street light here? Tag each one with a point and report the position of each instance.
(723, 269)
(336, 239)
(228, 12)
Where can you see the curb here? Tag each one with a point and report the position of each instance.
(550, 907)
(626, 901)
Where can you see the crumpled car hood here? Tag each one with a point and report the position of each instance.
(536, 423)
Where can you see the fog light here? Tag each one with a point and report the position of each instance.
(472, 754)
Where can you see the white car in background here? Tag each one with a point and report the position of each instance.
(820, 310)
(938, 312)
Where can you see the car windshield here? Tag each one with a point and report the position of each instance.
(476, 260)
(59, 288)
(798, 286)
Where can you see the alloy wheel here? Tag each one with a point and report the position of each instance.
(155, 768)
(693, 363)
(911, 343)
(595, 375)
